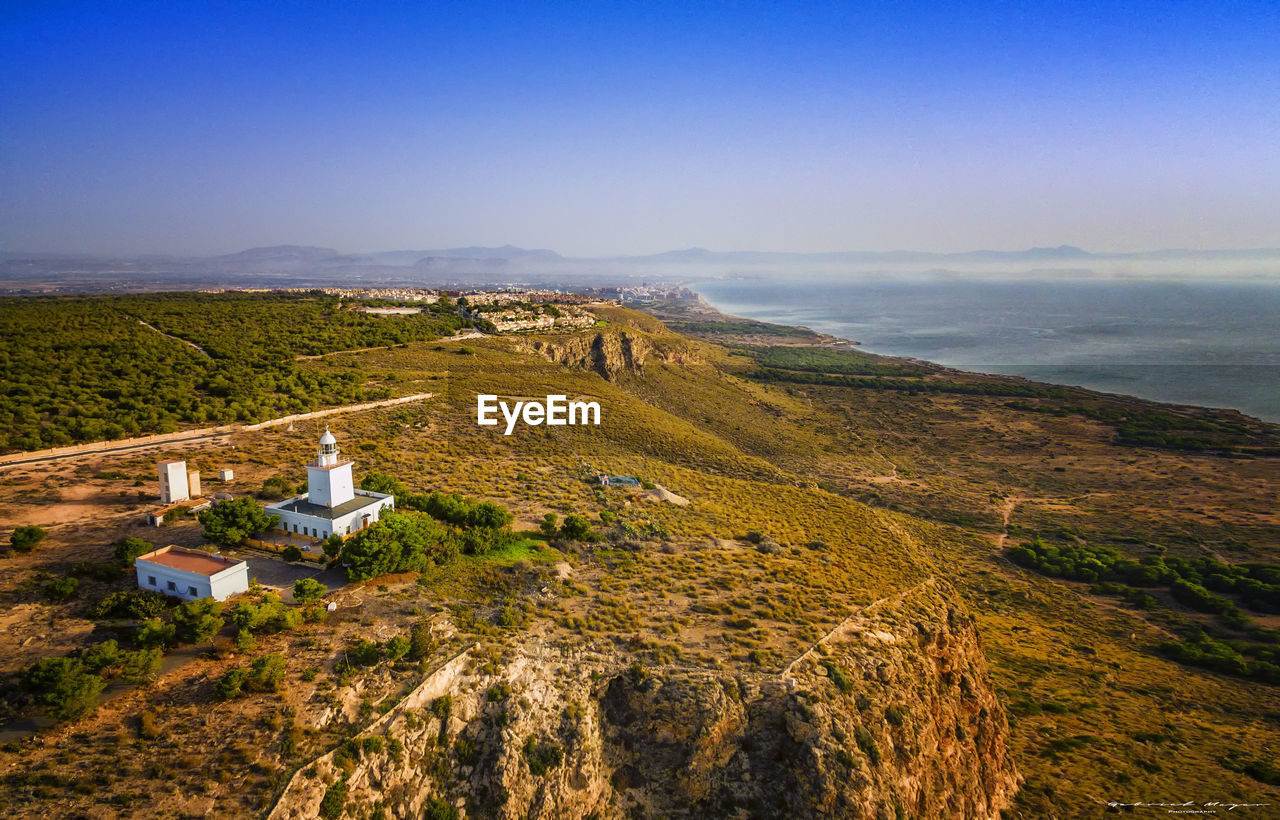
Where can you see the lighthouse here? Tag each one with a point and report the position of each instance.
(331, 505)
(329, 481)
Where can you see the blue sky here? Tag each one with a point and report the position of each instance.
(602, 128)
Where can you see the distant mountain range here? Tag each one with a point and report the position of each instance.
(301, 266)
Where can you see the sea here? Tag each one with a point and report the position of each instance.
(1211, 344)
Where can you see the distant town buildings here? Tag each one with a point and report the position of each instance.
(191, 574)
(644, 294)
(507, 321)
(424, 296)
(332, 505)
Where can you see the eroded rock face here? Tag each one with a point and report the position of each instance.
(891, 715)
(610, 353)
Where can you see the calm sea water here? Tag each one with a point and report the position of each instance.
(1209, 344)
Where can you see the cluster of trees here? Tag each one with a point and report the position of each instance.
(970, 388)
(822, 360)
(265, 674)
(1143, 426)
(67, 687)
(425, 529)
(190, 622)
(1190, 580)
(399, 542)
(574, 528)
(747, 326)
(451, 508)
(1134, 425)
(270, 614)
(228, 523)
(85, 368)
(1230, 657)
(131, 604)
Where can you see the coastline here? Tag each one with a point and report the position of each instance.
(1026, 372)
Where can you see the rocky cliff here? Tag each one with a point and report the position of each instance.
(891, 715)
(611, 352)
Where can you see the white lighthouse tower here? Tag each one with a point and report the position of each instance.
(329, 481)
(331, 505)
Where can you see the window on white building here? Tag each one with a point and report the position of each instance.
(151, 579)
(173, 586)
(192, 591)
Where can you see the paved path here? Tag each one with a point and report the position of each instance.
(191, 435)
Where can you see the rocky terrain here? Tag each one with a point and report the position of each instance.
(892, 714)
(807, 605)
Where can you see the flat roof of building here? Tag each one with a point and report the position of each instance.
(201, 563)
(302, 504)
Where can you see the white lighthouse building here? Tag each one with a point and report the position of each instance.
(332, 505)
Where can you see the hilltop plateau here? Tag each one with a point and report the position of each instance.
(895, 590)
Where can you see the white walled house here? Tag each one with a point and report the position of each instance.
(331, 505)
(191, 574)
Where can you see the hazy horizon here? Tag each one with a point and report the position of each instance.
(628, 129)
(952, 252)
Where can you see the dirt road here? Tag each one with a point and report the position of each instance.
(191, 435)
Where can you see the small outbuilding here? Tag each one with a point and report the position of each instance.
(191, 574)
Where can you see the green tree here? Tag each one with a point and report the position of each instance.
(244, 616)
(383, 483)
(101, 655)
(60, 589)
(548, 525)
(334, 800)
(332, 546)
(245, 642)
(399, 542)
(291, 554)
(275, 488)
(130, 548)
(266, 674)
(421, 643)
(198, 621)
(155, 632)
(63, 686)
(26, 538)
(364, 653)
(308, 590)
(397, 647)
(230, 684)
(437, 808)
(131, 603)
(576, 528)
(230, 522)
(142, 666)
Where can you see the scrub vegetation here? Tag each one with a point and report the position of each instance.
(87, 368)
(806, 499)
